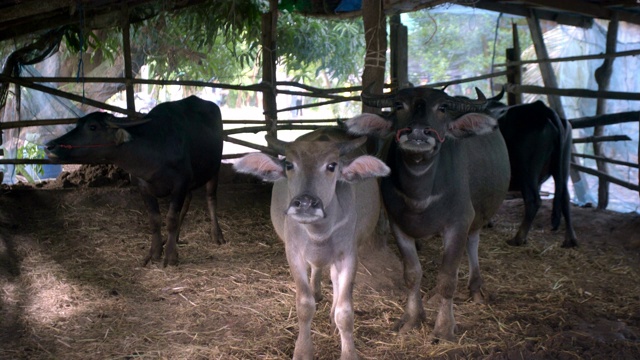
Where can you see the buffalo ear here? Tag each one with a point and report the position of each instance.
(122, 136)
(472, 124)
(263, 166)
(364, 167)
(369, 124)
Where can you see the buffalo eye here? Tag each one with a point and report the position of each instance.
(443, 108)
(288, 165)
(399, 105)
(93, 127)
(332, 167)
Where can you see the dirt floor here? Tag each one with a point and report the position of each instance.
(72, 285)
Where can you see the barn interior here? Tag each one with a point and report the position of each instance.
(70, 247)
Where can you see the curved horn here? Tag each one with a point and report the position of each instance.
(378, 101)
(349, 146)
(126, 121)
(465, 105)
(499, 96)
(278, 145)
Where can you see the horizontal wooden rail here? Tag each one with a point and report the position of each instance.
(607, 177)
(606, 159)
(592, 139)
(606, 119)
(530, 89)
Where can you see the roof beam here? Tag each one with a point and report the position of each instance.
(522, 10)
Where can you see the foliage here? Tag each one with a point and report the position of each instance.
(451, 45)
(30, 151)
(308, 46)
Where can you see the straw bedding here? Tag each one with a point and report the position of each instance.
(72, 285)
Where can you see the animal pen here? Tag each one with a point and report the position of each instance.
(270, 87)
(71, 284)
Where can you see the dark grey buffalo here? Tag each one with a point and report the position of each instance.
(449, 175)
(325, 200)
(539, 145)
(175, 148)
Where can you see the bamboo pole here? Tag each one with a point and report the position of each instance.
(606, 159)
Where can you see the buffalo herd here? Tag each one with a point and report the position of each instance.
(444, 167)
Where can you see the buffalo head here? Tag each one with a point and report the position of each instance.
(312, 169)
(423, 118)
(93, 138)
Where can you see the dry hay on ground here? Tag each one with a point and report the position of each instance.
(71, 286)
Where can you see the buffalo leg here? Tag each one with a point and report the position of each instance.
(343, 273)
(531, 197)
(305, 306)
(454, 245)
(414, 314)
(173, 227)
(316, 283)
(475, 278)
(183, 213)
(212, 202)
(155, 224)
(570, 239)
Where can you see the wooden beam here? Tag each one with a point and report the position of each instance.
(606, 119)
(269, 57)
(603, 78)
(128, 73)
(615, 95)
(375, 34)
(606, 177)
(597, 139)
(521, 10)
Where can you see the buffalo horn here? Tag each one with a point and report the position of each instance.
(497, 97)
(377, 101)
(126, 122)
(278, 145)
(465, 105)
(349, 146)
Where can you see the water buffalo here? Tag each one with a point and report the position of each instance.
(539, 145)
(449, 174)
(325, 200)
(173, 149)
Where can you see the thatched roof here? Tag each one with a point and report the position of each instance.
(20, 17)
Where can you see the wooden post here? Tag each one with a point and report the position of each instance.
(514, 75)
(603, 78)
(269, 30)
(549, 79)
(128, 73)
(399, 53)
(375, 35)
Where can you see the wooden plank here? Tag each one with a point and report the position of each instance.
(606, 177)
(603, 78)
(269, 57)
(584, 93)
(605, 119)
(128, 72)
(606, 159)
(599, 138)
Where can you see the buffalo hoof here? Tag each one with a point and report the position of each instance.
(570, 243)
(151, 258)
(407, 323)
(171, 260)
(516, 242)
(219, 238)
(438, 337)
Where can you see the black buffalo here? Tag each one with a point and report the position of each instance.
(449, 174)
(539, 145)
(173, 149)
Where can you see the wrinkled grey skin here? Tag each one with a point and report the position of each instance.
(325, 200)
(175, 148)
(449, 175)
